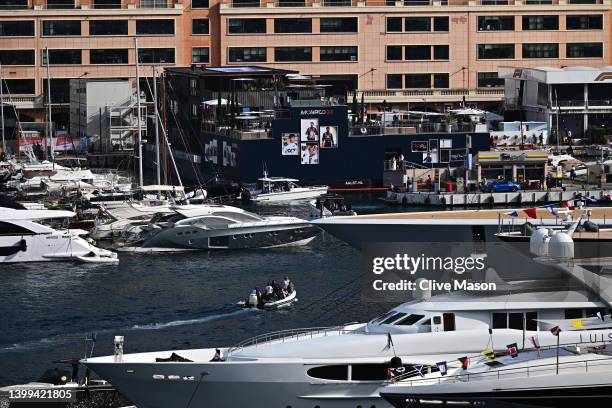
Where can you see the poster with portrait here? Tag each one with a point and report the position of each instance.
(310, 153)
(309, 130)
(430, 158)
(457, 155)
(211, 151)
(329, 137)
(290, 144)
(229, 154)
(419, 146)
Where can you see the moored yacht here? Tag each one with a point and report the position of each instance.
(338, 366)
(278, 189)
(212, 226)
(23, 238)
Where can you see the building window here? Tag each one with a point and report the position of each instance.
(495, 51)
(61, 27)
(418, 52)
(339, 53)
(584, 50)
(108, 56)
(247, 54)
(440, 24)
(417, 80)
(292, 54)
(156, 26)
(17, 28)
(394, 53)
(198, 4)
(156, 55)
(108, 27)
(245, 3)
(394, 24)
(194, 87)
(489, 80)
(14, 4)
(107, 4)
(540, 23)
(440, 81)
(541, 50)
(585, 22)
(440, 52)
(200, 55)
(418, 24)
(338, 25)
(60, 4)
(153, 3)
(246, 26)
(19, 86)
(495, 23)
(292, 25)
(394, 81)
(193, 111)
(17, 57)
(199, 26)
(62, 57)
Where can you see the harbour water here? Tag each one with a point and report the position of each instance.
(172, 301)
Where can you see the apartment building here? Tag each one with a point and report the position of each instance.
(415, 52)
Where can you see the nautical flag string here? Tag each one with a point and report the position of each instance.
(513, 350)
(577, 324)
(601, 316)
(531, 212)
(551, 210)
(420, 369)
(389, 342)
(489, 353)
(512, 213)
(535, 342)
(442, 367)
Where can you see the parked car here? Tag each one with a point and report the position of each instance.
(501, 186)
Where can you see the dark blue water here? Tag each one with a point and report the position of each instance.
(171, 301)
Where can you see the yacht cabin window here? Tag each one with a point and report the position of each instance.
(393, 318)
(330, 372)
(7, 228)
(514, 320)
(409, 320)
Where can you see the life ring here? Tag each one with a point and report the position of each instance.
(363, 130)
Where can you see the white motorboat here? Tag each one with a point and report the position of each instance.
(278, 189)
(211, 226)
(330, 205)
(24, 239)
(338, 366)
(552, 377)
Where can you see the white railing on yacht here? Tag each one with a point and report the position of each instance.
(291, 334)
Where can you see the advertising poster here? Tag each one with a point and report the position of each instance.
(329, 137)
(309, 129)
(211, 151)
(290, 144)
(419, 146)
(310, 153)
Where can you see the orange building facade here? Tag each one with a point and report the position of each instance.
(402, 52)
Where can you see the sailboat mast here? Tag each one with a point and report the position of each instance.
(157, 159)
(140, 176)
(50, 122)
(2, 108)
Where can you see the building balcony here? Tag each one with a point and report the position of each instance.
(24, 101)
(429, 95)
(9, 5)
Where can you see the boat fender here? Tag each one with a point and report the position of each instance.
(590, 226)
(23, 245)
(395, 362)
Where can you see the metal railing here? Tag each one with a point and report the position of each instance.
(291, 334)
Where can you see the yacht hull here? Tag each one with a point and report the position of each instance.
(45, 248)
(304, 193)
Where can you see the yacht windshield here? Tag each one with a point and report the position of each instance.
(393, 318)
(409, 320)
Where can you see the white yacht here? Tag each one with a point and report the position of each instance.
(211, 226)
(278, 189)
(340, 366)
(24, 239)
(551, 377)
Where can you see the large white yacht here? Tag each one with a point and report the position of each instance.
(24, 239)
(339, 366)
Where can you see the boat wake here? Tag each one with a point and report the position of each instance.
(158, 326)
(78, 337)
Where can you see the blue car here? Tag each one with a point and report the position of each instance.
(501, 186)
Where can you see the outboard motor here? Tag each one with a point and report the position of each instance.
(118, 349)
(253, 301)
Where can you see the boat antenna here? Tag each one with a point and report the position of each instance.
(2, 109)
(50, 122)
(140, 176)
(156, 113)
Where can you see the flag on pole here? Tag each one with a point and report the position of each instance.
(443, 367)
(465, 362)
(566, 205)
(531, 212)
(489, 353)
(601, 316)
(513, 350)
(535, 342)
(551, 210)
(512, 213)
(555, 330)
(577, 324)
(389, 342)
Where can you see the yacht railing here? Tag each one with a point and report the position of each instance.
(291, 335)
(409, 376)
